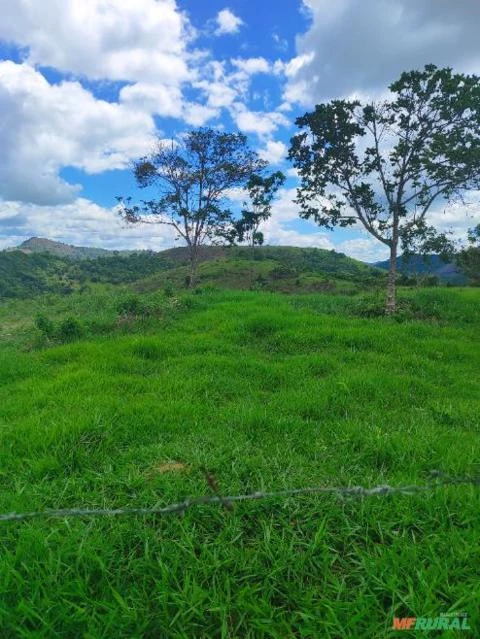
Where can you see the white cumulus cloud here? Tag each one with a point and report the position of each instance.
(361, 47)
(260, 122)
(46, 127)
(227, 22)
(250, 66)
(101, 39)
(274, 152)
(365, 249)
(82, 223)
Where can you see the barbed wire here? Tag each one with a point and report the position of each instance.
(383, 490)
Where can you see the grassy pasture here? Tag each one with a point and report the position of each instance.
(267, 392)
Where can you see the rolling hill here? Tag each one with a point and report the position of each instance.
(43, 266)
(60, 249)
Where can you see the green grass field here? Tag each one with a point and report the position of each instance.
(267, 392)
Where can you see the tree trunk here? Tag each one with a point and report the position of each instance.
(391, 304)
(192, 276)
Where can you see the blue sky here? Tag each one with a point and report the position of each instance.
(86, 85)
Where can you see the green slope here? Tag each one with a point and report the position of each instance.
(267, 392)
(23, 275)
(286, 269)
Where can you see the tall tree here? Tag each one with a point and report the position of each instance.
(261, 191)
(383, 165)
(192, 179)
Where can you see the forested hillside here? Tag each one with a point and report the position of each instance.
(270, 267)
(421, 265)
(60, 249)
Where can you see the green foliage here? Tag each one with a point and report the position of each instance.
(281, 272)
(413, 269)
(261, 191)
(24, 275)
(168, 289)
(193, 178)
(233, 267)
(70, 329)
(407, 309)
(60, 320)
(118, 269)
(383, 165)
(45, 326)
(67, 330)
(469, 262)
(430, 280)
(468, 259)
(131, 305)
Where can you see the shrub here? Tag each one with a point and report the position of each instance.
(407, 309)
(258, 283)
(131, 305)
(69, 329)
(67, 289)
(430, 280)
(204, 290)
(45, 326)
(100, 326)
(369, 307)
(168, 289)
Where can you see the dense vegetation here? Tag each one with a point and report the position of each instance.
(23, 275)
(424, 266)
(468, 259)
(266, 392)
(60, 249)
(277, 268)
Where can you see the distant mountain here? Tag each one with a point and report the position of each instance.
(427, 265)
(59, 249)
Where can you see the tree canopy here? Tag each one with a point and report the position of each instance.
(192, 179)
(381, 166)
(261, 191)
